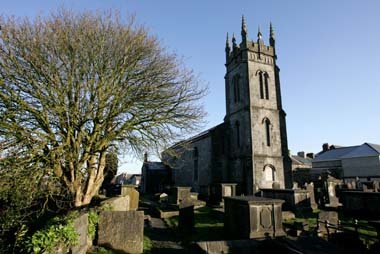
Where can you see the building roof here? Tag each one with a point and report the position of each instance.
(374, 146)
(338, 153)
(301, 160)
(155, 165)
(197, 137)
(333, 154)
(364, 150)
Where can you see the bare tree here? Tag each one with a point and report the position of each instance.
(74, 85)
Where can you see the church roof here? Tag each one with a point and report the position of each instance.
(155, 165)
(197, 137)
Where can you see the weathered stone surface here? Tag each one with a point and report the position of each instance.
(288, 215)
(294, 199)
(332, 198)
(253, 217)
(220, 190)
(122, 231)
(117, 203)
(361, 203)
(310, 189)
(134, 195)
(331, 217)
(179, 194)
(81, 226)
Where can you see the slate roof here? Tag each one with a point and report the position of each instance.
(334, 154)
(197, 137)
(301, 160)
(155, 165)
(374, 146)
(364, 150)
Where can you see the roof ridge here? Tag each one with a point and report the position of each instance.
(371, 146)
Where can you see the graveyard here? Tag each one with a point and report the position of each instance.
(86, 90)
(178, 222)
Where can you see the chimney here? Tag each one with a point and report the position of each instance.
(301, 154)
(325, 147)
(310, 155)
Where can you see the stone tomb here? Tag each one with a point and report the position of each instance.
(253, 217)
(294, 199)
(122, 231)
(129, 190)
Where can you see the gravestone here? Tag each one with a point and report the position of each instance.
(220, 190)
(276, 185)
(310, 189)
(116, 203)
(253, 217)
(376, 186)
(178, 194)
(122, 231)
(129, 190)
(331, 217)
(186, 217)
(81, 227)
(333, 200)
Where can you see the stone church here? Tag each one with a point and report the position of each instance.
(250, 147)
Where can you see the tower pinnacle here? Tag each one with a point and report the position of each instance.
(243, 29)
(272, 40)
(233, 41)
(228, 48)
(259, 35)
(271, 31)
(227, 43)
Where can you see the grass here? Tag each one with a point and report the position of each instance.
(147, 245)
(208, 226)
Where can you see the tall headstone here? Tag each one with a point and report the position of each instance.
(310, 189)
(133, 194)
(330, 217)
(122, 231)
(81, 226)
(186, 220)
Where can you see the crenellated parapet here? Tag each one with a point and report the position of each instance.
(250, 50)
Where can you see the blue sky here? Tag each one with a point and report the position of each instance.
(328, 53)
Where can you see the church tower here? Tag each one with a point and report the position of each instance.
(255, 119)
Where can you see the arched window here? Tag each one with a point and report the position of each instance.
(236, 86)
(267, 130)
(261, 85)
(195, 157)
(269, 173)
(237, 127)
(266, 77)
